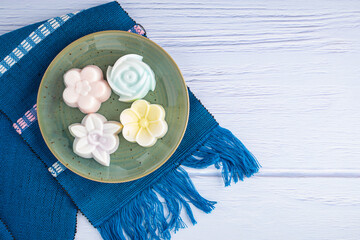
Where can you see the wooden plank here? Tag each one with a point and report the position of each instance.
(279, 209)
(285, 173)
(271, 208)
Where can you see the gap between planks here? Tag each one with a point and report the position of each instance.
(287, 173)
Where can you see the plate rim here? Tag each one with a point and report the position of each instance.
(50, 66)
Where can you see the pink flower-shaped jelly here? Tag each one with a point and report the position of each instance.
(86, 88)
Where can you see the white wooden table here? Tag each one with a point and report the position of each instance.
(284, 77)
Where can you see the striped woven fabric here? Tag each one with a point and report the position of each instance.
(34, 38)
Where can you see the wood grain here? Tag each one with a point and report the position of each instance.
(275, 208)
(283, 76)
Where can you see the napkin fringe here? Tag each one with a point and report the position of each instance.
(144, 216)
(223, 149)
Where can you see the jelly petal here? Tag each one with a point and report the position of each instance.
(128, 57)
(91, 73)
(88, 104)
(78, 130)
(108, 142)
(141, 91)
(71, 77)
(101, 157)
(130, 131)
(152, 80)
(128, 116)
(83, 148)
(158, 128)
(122, 87)
(140, 107)
(100, 90)
(112, 127)
(93, 122)
(156, 112)
(144, 138)
(143, 77)
(108, 72)
(70, 96)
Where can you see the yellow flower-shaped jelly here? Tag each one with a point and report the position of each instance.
(143, 123)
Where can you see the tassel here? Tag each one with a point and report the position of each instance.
(222, 148)
(144, 217)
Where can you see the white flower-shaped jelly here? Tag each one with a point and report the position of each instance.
(143, 123)
(95, 137)
(131, 78)
(86, 88)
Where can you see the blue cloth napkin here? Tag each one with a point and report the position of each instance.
(40, 198)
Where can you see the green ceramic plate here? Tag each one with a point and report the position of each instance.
(130, 161)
